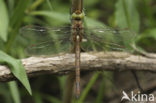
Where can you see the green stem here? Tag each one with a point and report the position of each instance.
(15, 23)
(101, 91)
(34, 5)
(88, 87)
(126, 13)
(14, 92)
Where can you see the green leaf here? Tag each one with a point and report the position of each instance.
(4, 21)
(100, 94)
(62, 17)
(19, 13)
(93, 23)
(15, 22)
(14, 92)
(126, 15)
(16, 68)
(62, 81)
(49, 5)
(37, 97)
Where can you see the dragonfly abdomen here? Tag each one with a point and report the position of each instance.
(77, 65)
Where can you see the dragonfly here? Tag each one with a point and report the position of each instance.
(75, 39)
(54, 40)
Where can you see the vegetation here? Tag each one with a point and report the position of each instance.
(137, 15)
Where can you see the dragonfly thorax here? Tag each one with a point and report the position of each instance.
(78, 16)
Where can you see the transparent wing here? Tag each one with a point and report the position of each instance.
(107, 39)
(45, 40)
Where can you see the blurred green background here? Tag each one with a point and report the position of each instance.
(137, 15)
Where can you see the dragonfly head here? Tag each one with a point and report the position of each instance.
(78, 15)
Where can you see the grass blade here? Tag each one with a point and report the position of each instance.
(88, 87)
(14, 92)
(126, 15)
(16, 68)
(4, 21)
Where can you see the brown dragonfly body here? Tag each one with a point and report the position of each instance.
(77, 38)
(77, 33)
